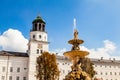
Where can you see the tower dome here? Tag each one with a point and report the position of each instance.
(38, 19)
(38, 24)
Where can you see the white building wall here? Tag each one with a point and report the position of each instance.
(64, 67)
(37, 35)
(37, 43)
(106, 69)
(14, 62)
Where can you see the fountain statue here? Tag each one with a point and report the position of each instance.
(75, 55)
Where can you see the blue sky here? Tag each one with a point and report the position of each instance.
(97, 20)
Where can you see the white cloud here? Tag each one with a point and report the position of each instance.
(105, 51)
(13, 40)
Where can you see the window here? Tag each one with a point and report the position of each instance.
(43, 27)
(3, 78)
(110, 66)
(40, 36)
(18, 69)
(40, 27)
(11, 69)
(110, 73)
(33, 36)
(24, 78)
(105, 66)
(68, 71)
(3, 69)
(10, 77)
(25, 68)
(115, 73)
(17, 78)
(41, 51)
(96, 73)
(37, 51)
(63, 71)
(106, 73)
(36, 26)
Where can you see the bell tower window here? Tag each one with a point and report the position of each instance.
(43, 27)
(38, 24)
(33, 36)
(39, 27)
(35, 27)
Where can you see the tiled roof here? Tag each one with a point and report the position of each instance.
(11, 53)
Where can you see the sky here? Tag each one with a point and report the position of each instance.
(98, 23)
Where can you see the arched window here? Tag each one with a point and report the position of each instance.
(40, 27)
(43, 27)
(36, 27)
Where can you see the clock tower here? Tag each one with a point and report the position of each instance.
(38, 43)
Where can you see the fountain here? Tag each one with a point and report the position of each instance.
(75, 56)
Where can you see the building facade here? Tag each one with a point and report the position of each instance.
(22, 66)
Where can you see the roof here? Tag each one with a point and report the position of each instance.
(92, 59)
(105, 60)
(11, 53)
(38, 19)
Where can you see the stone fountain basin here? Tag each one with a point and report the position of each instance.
(75, 53)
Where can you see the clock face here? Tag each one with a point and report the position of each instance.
(39, 46)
